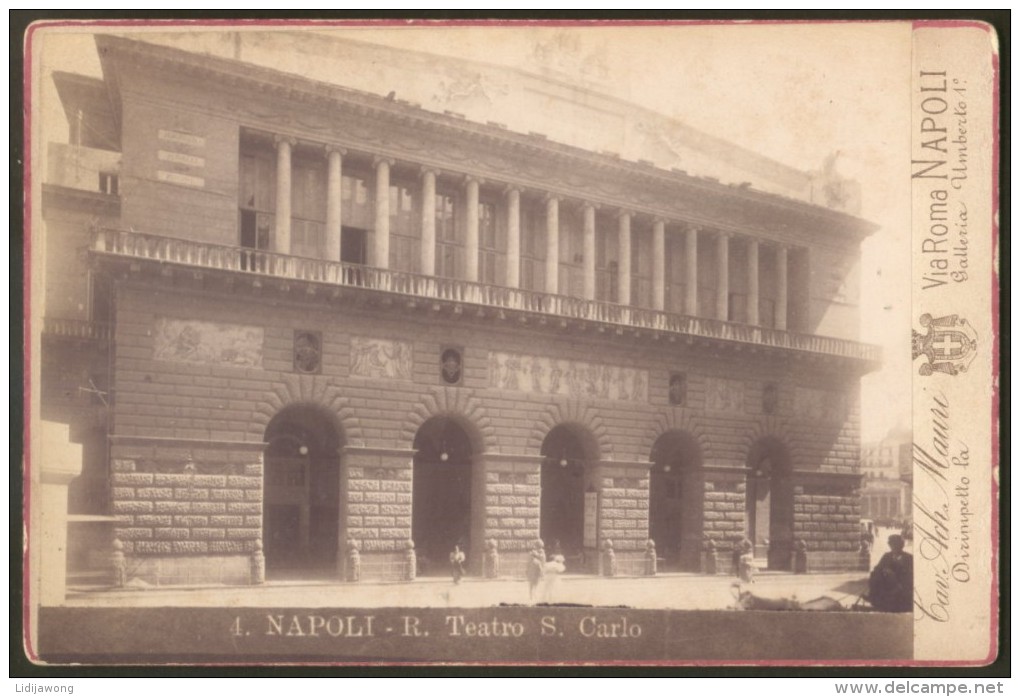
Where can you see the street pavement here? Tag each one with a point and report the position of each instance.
(665, 591)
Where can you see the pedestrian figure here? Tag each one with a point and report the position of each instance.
(556, 565)
(536, 568)
(457, 563)
(746, 563)
(891, 585)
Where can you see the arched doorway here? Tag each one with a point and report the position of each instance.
(675, 502)
(565, 479)
(770, 503)
(301, 509)
(441, 503)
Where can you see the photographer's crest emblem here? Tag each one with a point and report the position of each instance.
(949, 345)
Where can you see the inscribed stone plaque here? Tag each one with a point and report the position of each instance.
(216, 343)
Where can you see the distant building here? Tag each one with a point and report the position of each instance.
(886, 467)
(293, 315)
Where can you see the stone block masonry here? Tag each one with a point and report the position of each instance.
(166, 412)
(188, 512)
(376, 495)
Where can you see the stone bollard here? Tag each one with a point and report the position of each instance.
(353, 561)
(119, 564)
(608, 559)
(651, 559)
(709, 563)
(800, 557)
(491, 569)
(258, 564)
(410, 561)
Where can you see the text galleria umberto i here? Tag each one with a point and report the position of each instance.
(299, 330)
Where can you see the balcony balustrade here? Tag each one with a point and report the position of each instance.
(188, 253)
(79, 329)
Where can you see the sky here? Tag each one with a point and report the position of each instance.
(793, 92)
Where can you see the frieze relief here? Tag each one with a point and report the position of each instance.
(380, 358)
(816, 404)
(214, 343)
(578, 379)
(724, 394)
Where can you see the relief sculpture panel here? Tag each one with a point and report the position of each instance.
(542, 375)
(820, 405)
(380, 358)
(216, 343)
(723, 394)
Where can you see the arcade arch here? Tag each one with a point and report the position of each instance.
(675, 502)
(770, 502)
(568, 451)
(301, 499)
(443, 492)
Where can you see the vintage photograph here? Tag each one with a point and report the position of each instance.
(479, 343)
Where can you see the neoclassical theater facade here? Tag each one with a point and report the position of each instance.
(324, 327)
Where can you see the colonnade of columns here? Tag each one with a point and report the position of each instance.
(512, 213)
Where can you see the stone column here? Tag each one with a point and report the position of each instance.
(781, 287)
(334, 218)
(659, 264)
(552, 244)
(589, 251)
(722, 290)
(281, 243)
(382, 213)
(471, 237)
(752, 282)
(428, 222)
(513, 237)
(691, 271)
(623, 294)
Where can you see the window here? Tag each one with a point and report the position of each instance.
(308, 210)
(606, 265)
(707, 273)
(571, 248)
(641, 268)
(532, 248)
(491, 245)
(674, 274)
(449, 245)
(405, 245)
(108, 183)
(357, 213)
(356, 209)
(737, 307)
(257, 203)
(767, 313)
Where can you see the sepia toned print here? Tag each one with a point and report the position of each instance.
(590, 342)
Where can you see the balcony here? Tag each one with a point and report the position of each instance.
(263, 264)
(82, 168)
